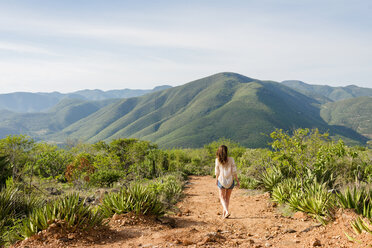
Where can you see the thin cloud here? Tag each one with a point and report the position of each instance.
(23, 48)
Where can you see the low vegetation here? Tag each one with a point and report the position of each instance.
(303, 171)
(308, 172)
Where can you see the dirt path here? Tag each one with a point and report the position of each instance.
(254, 222)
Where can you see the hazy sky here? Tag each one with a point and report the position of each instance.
(70, 45)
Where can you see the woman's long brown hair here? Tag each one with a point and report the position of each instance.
(221, 154)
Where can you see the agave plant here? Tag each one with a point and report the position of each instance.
(248, 182)
(270, 178)
(358, 199)
(70, 209)
(138, 198)
(359, 225)
(314, 200)
(282, 192)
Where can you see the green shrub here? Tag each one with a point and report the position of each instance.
(5, 170)
(247, 182)
(138, 198)
(168, 188)
(71, 210)
(105, 178)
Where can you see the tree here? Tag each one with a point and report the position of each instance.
(17, 148)
(5, 170)
(50, 161)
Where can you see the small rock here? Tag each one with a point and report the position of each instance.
(289, 231)
(213, 237)
(89, 238)
(177, 241)
(147, 245)
(64, 239)
(53, 225)
(187, 242)
(267, 245)
(168, 221)
(72, 236)
(271, 204)
(317, 243)
(267, 237)
(236, 243)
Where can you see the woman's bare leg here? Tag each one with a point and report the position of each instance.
(223, 201)
(227, 197)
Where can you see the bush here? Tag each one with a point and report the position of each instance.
(168, 188)
(138, 198)
(71, 210)
(80, 168)
(247, 182)
(105, 178)
(5, 170)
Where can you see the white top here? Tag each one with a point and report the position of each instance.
(225, 173)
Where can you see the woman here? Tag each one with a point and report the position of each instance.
(225, 171)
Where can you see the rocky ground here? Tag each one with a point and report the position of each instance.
(254, 222)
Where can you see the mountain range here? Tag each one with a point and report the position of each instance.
(225, 105)
(26, 102)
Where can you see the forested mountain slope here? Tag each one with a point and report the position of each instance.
(355, 113)
(225, 105)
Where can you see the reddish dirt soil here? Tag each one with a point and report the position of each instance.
(254, 222)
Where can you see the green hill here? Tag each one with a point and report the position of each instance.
(325, 93)
(223, 105)
(355, 113)
(38, 125)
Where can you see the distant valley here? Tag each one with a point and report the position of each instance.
(227, 105)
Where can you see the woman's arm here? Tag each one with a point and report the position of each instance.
(235, 173)
(217, 171)
(237, 180)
